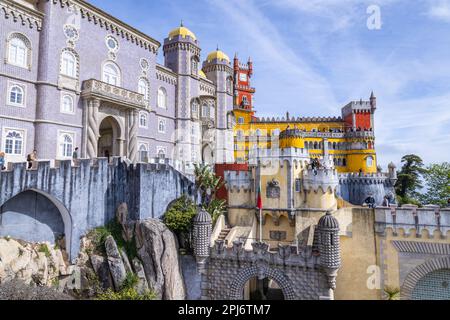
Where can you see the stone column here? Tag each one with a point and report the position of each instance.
(93, 130)
(133, 139)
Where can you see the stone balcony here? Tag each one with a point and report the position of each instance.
(95, 89)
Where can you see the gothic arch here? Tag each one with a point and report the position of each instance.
(237, 287)
(421, 271)
(66, 217)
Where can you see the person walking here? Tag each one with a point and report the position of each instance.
(2, 161)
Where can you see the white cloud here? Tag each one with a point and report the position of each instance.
(440, 10)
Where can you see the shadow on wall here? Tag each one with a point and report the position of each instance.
(35, 217)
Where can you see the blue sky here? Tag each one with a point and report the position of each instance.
(311, 57)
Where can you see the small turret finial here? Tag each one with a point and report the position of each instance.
(217, 47)
(181, 23)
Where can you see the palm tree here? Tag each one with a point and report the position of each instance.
(392, 293)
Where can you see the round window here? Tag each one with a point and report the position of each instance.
(112, 43)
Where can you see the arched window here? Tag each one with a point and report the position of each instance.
(344, 162)
(369, 162)
(194, 108)
(66, 145)
(67, 104)
(334, 146)
(161, 153)
(143, 120)
(143, 88)
(143, 153)
(111, 74)
(162, 125)
(316, 146)
(14, 142)
(229, 85)
(68, 64)
(16, 95)
(245, 101)
(162, 98)
(205, 110)
(18, 50)
(194, 66)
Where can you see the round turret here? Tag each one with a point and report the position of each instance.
(218, 56)
(202, 233)
(292, 138)
(329, 242)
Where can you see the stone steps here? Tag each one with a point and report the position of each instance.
(224, 234)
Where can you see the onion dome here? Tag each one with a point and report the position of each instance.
(218, 55)
(328, 222)
(202, 74)
(202, 217)
(183, 32)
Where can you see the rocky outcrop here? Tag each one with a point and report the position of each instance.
(115, 262)
(157, 249)
(18, 290)
(36, 264)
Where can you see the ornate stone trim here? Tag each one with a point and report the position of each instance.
(18, 12)
(261, 272)
(187, 46)
(104, 20)
(421, 271)
(422, 247)
(166, 76)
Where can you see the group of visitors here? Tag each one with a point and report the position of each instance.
(32, 158)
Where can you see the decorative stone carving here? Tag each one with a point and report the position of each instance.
(273, 190)
(278, 235)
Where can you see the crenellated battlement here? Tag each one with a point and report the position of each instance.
(297, 120)
(322, 178)
(284, 255)
(364, 178)
(237, 181)
(410, 219)
(91, 190)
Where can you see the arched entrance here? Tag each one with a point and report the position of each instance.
(266, 289)
(35, 216)
(270, 276)
(429, 281)
(109, 143)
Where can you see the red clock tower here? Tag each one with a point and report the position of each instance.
(243, 92)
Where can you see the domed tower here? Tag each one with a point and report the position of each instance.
(218, 69)
(202, 236)
(182, 56)
(328, 244)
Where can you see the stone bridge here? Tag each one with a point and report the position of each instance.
(65, 201)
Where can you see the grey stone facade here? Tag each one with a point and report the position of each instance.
(98, 111)
(77, 199)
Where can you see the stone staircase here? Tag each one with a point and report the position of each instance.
(224, 234)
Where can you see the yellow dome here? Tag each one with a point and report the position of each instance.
(183, 32)
(219, 55)
(202, 74)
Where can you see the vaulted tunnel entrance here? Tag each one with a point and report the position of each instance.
(35, 216)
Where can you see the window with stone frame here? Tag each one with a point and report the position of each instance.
(194, 66)
(162, 98)
(205, 110)
(161, 125)
(66, 145)
(111, 74)
(67, 104)
(19, 50)
(69, 64)
(143, 153)
(16, 95)
(144, 88)
(14, 142)
(143, 120)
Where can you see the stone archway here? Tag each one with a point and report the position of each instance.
(415, 276)
(35, 216)
(237, 287)
(110, 140)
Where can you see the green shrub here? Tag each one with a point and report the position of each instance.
(127, 294)
(43, 248)
(130, 281)
(180, 215)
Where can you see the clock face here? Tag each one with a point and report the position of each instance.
(243, 77)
